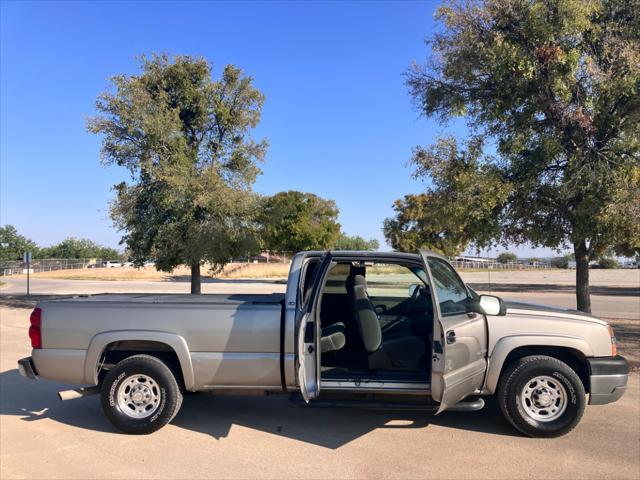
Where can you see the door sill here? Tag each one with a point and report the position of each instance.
(364, 386)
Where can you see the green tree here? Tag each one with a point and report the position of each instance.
(560, 262)
(462, 204)
(554, 85)
(186, 140)
(608, 262)
(345, 242)
(294, 221)
(80, 248)
(507, 257)
(13, 245)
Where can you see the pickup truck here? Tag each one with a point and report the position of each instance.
(358, 328)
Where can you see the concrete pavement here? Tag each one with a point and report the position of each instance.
(267, 437)
(611, 302)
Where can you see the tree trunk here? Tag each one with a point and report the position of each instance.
(583, 298)
(195, 278)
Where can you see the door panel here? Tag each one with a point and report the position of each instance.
(460, 337)
(308, 350)
(307, 358)
(465, 357)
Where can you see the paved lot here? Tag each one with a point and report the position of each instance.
(612, 297)
(268, 437)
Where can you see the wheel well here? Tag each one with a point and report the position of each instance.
(574, 358)
(115, 352)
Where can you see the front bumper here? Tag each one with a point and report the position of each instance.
(608, 379)
(26, 368)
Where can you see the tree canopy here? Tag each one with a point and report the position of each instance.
(186, 140)
(292, 221)
(507, 257)
(461, 205)
(13, 245)
(79, 248)
(554, 86)
(346, 242)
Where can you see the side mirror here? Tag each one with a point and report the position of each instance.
(490, 305)
(413, 289)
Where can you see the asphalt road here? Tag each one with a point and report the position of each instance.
(609, 302)
(268, 437)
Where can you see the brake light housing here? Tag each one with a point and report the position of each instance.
(35, 329)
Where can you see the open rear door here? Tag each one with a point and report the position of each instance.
(309, 337)
(459, 359)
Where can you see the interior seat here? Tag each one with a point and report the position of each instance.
(401, 350)
(389, 323)
(333, 337)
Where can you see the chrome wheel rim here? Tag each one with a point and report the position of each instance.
(138, 396)
(544, 398)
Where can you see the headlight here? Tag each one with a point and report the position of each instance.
(614, 343)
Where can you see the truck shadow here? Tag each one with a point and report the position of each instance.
(215, 415)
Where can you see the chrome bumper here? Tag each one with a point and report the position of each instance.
(608, 379)
(26, 368)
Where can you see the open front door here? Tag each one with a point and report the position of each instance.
(309, 336)
(459, 359)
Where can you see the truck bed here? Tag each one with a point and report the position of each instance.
(229, 339)
(173, 298)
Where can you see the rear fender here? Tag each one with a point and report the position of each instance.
(101, 340)
(507, 344)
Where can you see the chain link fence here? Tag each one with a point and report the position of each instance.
(491, 264)
(270, 257)
(52, 264)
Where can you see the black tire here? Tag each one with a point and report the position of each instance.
(519, 377)
(165, 387)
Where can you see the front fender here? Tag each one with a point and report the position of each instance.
(506, 345)
(101, 340)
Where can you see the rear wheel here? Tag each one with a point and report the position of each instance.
(541, 396)
(140, 395)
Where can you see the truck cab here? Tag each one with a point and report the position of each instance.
(370, 323)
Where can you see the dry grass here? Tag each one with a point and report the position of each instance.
(121, 273)
(255, 270)
(232, 270)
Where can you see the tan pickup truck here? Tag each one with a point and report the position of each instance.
(363, 329)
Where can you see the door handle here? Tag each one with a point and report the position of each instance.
(451, 336)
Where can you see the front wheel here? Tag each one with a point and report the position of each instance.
(140, 395)
(541, 396)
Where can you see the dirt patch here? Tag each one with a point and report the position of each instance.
(255, 270)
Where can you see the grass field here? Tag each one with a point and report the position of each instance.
(627, 278)
(232, 270)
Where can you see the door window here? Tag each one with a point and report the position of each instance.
(453, 296)
(390, 281)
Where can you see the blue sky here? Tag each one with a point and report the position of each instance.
(337, 115)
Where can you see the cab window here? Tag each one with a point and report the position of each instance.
(453, 296)
(391, 280)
